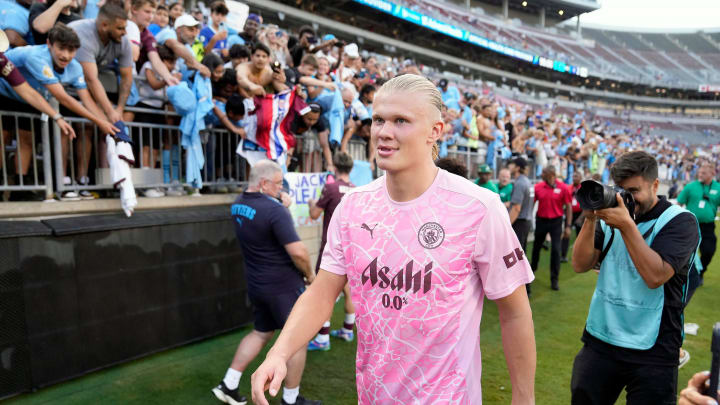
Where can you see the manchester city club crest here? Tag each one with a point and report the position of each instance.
(431, 235)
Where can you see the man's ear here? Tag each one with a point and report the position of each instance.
(436, 132)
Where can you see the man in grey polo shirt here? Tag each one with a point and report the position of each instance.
(102, 41)
(521, 203)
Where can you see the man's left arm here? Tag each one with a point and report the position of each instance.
(126, 79)
(97, 91)
(518, 339)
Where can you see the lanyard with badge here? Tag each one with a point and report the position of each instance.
(705, 197)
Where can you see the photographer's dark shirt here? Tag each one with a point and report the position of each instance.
(675, 243)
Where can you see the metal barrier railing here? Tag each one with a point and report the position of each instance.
(18, 146)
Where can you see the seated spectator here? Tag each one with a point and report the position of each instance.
(160, 20)
(48, 68)
(450, 94)
(43, 17)
(238, 54)
(103, 42)
(15, 22)
(214, 35)
(179, 41)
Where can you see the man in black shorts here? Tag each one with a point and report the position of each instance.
(275, 263)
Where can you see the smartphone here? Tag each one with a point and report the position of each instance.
(715, 365)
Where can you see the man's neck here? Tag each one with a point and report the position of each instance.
(216, 27)
(252, 189)
(344, 177)
(707, 183)
(411, 183)
(104, 37)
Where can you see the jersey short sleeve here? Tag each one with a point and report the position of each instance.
(9, 72)
(41, 68)
(165, 34)
(333, 257)
(498, 257)
(133, 33)
(325, 197)
(75, 76)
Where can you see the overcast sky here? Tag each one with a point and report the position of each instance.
(695, 14)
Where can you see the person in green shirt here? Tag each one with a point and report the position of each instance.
(504, 186)
(702, 198)
(484, 176)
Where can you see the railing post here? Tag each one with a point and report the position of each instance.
(47, 165)
(57, 151)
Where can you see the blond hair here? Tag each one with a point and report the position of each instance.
(412, 83)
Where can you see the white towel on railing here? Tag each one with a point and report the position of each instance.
(121, 158)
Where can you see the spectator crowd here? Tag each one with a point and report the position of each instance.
(112, 62)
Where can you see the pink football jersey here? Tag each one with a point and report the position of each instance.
(418, 273)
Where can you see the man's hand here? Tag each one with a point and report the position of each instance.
(240, 132)
(220, 35)
(203, 70)
(311, 203)
(115, 115)
(691, 395)
(330, 86)
(173, 79)
(286, 200)
(108, 128)
(309, 279)
(279, 76)
(257, 90)
(65, 128)
(617, 217)
(566, 233)
(268, 376)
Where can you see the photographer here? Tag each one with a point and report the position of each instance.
(634, 327)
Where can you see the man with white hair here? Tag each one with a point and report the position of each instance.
(275, 263)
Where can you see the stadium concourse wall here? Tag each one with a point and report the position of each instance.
(84, 292)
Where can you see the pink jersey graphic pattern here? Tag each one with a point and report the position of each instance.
(418, 281)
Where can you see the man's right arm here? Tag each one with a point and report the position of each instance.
(683, 197)
(585, 256)
(47, 19)
(300, 257)
(311, 310)
(182, 51)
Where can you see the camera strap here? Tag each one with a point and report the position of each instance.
(606, 249)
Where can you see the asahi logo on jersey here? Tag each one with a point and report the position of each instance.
(431, 235)
(403, 280)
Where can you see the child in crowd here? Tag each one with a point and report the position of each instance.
(214, 35)
(151, 88)
(238, 54)
(160, 21)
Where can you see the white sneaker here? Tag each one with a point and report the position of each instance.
(70, 196)
(154, 193)
(196, 193)
(175, 192)
(86, 195)
(684, 358)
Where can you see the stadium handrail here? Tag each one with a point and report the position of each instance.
(381, 39)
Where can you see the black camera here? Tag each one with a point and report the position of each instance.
(594, 195)
(276, 66)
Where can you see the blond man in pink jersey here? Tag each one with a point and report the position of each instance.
(420, 249)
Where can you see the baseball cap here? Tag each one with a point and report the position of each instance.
(255, 17)
(442, 82)
(519, 162)
(186, 20)
(328, 37)
(352, 51)
(4, 42)
(483, 168)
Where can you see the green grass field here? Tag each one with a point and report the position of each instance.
(186, 375)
